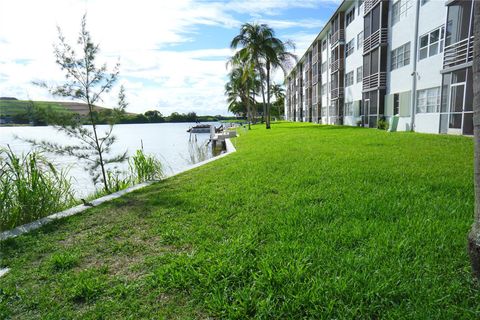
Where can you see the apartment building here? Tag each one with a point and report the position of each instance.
(408, 62)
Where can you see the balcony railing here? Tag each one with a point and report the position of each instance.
(336, 65)
(375, 39)
(458, 53)
(337, 93)
(369, 5)
(375, 81)
(338, 36)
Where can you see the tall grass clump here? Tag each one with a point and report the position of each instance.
(197, 152)
(30, 188)
(144, 167)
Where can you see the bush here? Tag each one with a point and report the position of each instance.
(30, 188)
(382, 124)
(145, 167)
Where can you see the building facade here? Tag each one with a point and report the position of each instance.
(408, 62)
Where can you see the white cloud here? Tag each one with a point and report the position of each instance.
(141, 34)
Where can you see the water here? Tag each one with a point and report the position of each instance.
(167, 141)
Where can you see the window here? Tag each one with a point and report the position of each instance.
(349, 47)
(349, 79)
(428, 100)
(401, 56)
(360, 2)
(323, 89)
(431, 43)
(424, 1)
(359, 74)
(360, 40)
(324, 45)
(396, 103)
(324, 67)
(457, 27)
(350, 16)
(349, 108)
(400, 9)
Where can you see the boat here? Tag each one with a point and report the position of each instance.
(200, 128)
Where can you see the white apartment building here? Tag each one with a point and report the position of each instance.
(408, 62)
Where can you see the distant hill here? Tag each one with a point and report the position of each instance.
(11, 106)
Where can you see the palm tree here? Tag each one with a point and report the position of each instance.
(261, 47)
(243, 82)
(474, 235)
(278, 92)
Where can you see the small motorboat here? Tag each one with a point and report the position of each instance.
(200, 128)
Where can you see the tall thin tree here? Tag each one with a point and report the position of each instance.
(87, 82)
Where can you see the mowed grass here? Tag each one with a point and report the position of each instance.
(304, 221)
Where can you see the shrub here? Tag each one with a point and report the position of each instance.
(145, 167)
(382, 124)
(30, 188)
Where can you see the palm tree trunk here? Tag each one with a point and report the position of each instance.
(268, 97)
(249, 112)
(263, 95)
(474, 235)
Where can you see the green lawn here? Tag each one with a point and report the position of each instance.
(304, 221)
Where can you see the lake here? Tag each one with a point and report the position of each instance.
(169, 142)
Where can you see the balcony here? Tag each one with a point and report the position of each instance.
(375, 81)
(337, 93)
(458, 53)
(377, 38)
(336, 65)
(369, 5)
(338, 37)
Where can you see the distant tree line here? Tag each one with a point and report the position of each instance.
(42, 116)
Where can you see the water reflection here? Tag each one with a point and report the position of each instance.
(199, 151)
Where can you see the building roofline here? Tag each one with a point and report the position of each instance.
(342, 7)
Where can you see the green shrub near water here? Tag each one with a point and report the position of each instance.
(30, 188)
(144, 167)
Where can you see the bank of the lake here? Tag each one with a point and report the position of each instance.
(303, 221)
(169, 142)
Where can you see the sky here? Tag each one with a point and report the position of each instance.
(172, 53)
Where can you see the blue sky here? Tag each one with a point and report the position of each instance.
(172, 53)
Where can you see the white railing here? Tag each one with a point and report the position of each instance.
(337, 93)
(338, 36)
(376, 80)
(458, 53)
(369, 5)
(375, 39)
(336, 65)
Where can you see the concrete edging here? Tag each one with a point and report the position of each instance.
(80, 208)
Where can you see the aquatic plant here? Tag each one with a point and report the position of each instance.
(144, 167)
(30, 188)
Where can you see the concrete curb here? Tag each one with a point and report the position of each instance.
(75, 210)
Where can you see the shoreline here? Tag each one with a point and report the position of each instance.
(25, 228)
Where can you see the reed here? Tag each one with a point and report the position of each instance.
(30, 188)
(144, 167)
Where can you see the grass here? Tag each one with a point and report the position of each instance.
(30, 188)
(13, 107)
(304, 221)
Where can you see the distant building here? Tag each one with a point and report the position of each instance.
(378, 58)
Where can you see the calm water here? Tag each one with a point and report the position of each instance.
(168, 141)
